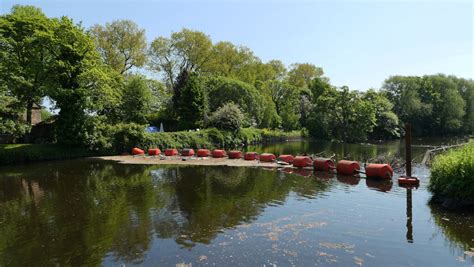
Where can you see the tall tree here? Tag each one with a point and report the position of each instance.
(83, 85)
(185, 50)
(121, 44)
(25, 56)
(137, 100)
(192, 104)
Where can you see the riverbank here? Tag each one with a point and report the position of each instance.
(452, 178)
(11, 154)
(123, 139)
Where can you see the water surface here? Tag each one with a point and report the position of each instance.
(91, 212)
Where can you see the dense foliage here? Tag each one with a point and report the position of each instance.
(228, 117)
(452, 174)
(92, 79)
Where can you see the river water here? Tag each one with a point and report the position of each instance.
(92, 212)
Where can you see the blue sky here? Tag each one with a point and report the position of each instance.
(357, 43)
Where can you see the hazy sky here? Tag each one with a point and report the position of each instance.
(357, 43)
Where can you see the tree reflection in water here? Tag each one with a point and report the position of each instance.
(76, 214)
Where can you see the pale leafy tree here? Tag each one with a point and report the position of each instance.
(229, 60)
(121, 44)
(301, 74)
(186, 50)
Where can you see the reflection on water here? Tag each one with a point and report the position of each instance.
(87, 212)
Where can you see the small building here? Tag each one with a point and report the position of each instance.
(35, 114)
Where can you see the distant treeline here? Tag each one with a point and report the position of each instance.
(94, 77)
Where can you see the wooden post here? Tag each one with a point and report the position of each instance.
(408, 149)
(409, 217)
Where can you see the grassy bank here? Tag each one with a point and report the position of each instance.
(124, 138)
(452, 177)
(22, 153)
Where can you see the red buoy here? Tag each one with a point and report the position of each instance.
(218, 153)
(235, 154)
(251, 156)
(381, 171)
(187, 152)
(171, 152)
(321, 164)
(347, 167)
(203, 153)
(302, 161)
(137, 151)
(267, 157)
(408, 181)
(286, 158)
(154, 151)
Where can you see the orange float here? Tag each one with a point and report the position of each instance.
(251, 156)
(267, 157)
(408, 181)
(347, 167)
(321, 164)
(286, 158)
(171, 152)
(235, 154)
(187, 152)
(154, 151)
(203, 153)
(218, 153)
(380, 171)
(302, 161)
(137, 151)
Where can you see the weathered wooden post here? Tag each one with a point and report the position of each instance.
(408, 149)
(407, 179)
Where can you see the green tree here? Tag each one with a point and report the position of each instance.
(387, 123)
(434, 103)
(82, 86)
(185, 50)
(137, 100)
(301, 74)
(25, 56)
(11, 115)
(223, 90)
(192, 104)
(121, 44)
(341, 115)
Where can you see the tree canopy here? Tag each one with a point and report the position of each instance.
(108, 75)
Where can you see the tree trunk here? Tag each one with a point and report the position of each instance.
(29, 107)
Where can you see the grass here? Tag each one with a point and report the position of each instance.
(21, 153)
(452, 174)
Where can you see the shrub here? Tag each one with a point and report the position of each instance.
(452, 174)
(228, 117)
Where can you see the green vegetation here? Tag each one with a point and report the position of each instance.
(452, 174)
(123, 137)
(91, 77)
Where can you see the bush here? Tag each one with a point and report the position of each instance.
(452, 174)
(228, 117)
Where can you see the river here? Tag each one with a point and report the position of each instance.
(93, 212)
